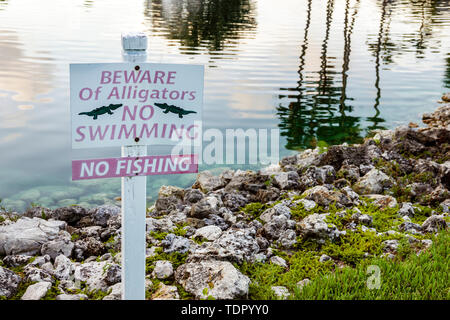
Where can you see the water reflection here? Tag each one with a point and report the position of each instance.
(447, 72)
(27, 77)
(211, 24)
(320, 109)
(322, 115)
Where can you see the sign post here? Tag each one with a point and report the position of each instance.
(133, 105)
(134, 192)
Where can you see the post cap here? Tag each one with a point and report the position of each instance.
(134, 41)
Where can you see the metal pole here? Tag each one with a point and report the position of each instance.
(134, 191)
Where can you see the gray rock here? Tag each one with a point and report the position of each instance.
(406, 210)
(235, 245)
(9, 282)
(34, 274)
(39, 261)
(71, 214)
(315, 226)
(26, 236)
(113, 274)
(209, 233)
(116, 292)
(38, 212)
(163, 269)
(318, 175)
(279, 261)
(307, 204)
(165, 292)
(383, 201)
(390, 245)
(169, 198)
(102, 214)
(36, 291)
(215, 220)
(373, 182)
(410, 227)
(75, 297)
(280, 292)
(173, 243)
(159, 225)
(286, 180)
(16, 260)
(324, 258)
(277, 210)
(205, 207)
(220, 279)
(303, 283)
(61, 245)
(349, 172)
(303, 159)
(324, 197)
(365, 219)
(278, 224)
(235, 201)
(88, 247)
(193, 195)
(445, 205)
(354, 197)
(63, 267)
(434, 224)
(94, 274)
(208, 182)
(287, 238)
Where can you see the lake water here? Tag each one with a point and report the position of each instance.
(322, 71)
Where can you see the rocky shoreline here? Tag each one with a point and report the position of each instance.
(317, 211)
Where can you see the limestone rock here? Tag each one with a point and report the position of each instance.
(324, 197)
(206, 181)
(163, 269)
(279, 261)
(315, 226)
(434, 223)
(373, 182)
(9, 282)
(280, 292)
(205, 207)
(74, 297)
(71, 214)
(165, 292)
(102, 214)
(382, 201)
(173, 243)
(61, 245)
(26, 236)
(286, 180)
(218, 279)
(209, 233)
(36, 291)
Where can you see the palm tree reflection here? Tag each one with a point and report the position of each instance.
(321, 116)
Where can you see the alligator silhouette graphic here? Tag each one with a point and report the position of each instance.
(101, 110)
(173, 109)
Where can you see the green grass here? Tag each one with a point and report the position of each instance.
(416, 277)
(265, 275)
(408, 276)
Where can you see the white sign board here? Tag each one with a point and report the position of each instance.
(116, 104)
